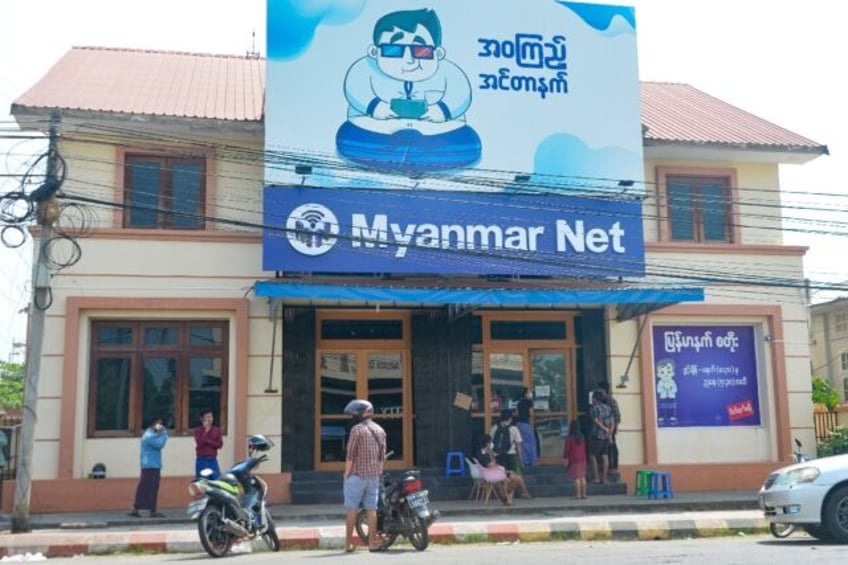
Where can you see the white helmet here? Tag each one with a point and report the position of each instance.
(359, 408)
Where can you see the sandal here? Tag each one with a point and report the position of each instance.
(378, 548)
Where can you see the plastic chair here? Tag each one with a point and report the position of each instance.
(495, 481)
(661, 485)
(643, 482)
(478, 488)
(455, 464)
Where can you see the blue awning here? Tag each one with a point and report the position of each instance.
(480, 297)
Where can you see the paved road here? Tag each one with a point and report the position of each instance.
(739, 550)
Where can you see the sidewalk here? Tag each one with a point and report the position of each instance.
(620, 517)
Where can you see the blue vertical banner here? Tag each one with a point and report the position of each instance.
(706, 376)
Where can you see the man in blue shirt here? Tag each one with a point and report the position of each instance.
(152, 442)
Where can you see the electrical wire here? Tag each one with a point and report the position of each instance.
(248, 156)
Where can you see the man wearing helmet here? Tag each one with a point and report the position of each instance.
(366, 451)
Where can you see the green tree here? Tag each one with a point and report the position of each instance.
(823, 393)
(11, 385)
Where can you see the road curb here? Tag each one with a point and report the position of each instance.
(67, 543)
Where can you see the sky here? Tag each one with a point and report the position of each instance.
(777, 59)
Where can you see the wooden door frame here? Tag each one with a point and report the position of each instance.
(568, 346)
(362, 348)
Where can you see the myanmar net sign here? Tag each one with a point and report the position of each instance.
(337, 230)
(491, 95)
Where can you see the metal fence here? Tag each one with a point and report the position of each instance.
(826, 422)
(11, 427)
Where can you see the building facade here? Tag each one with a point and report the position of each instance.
(171, 308)
(829, 344)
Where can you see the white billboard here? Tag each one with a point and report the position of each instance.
(446, 94)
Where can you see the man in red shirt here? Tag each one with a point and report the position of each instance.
(208, 440)
(366, 451)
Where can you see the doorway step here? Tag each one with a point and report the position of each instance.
(325, 487)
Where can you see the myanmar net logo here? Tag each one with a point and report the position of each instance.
(312, 229)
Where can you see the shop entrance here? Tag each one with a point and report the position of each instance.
(539, 353)
(362, 355)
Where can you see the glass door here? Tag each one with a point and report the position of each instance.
(337, 385)
(386, 391)
(551, 396)
(381, 377)
(506, 371)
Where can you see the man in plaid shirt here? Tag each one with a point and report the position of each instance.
(366, 451)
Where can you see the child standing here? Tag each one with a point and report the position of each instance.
(574, 458)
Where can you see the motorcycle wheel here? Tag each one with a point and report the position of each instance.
(779, 530)
(270, 537)
(213, 537)
(362, 530)
(419, 537)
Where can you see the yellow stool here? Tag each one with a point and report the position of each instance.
(643, 482)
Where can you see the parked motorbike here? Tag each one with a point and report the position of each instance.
(233, 508)
(403, 509)
(781, 530)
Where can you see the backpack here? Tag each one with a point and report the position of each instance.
(502, 440)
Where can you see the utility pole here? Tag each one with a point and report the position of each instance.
(47, 213)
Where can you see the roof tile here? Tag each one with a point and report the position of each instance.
(674, 112)
(229, 87)
(160, 83)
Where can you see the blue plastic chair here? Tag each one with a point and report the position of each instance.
(455, 464)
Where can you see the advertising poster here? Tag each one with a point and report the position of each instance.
(490, 95)
(706, 376)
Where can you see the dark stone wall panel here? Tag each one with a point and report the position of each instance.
(298, 389)
(441, 367)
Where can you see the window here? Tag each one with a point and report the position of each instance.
(164, 192)
(697, 205)
(844, 359)
(144, 369)
(699, 208)
(840, 323)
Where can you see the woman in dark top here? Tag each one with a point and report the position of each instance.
(494, 473)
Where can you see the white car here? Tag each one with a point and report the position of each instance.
(811, 494)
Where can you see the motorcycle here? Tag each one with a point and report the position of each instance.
(233, 508)
(778, 529)
(403, 509)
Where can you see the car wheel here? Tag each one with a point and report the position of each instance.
(835, 516)
(818, 532)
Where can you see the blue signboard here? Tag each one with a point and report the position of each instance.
(403, 93)
(387, 231)
(706, 376)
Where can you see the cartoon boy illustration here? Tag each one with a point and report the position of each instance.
(667, 393)
(406, 102)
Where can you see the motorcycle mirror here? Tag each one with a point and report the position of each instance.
(798, 443)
